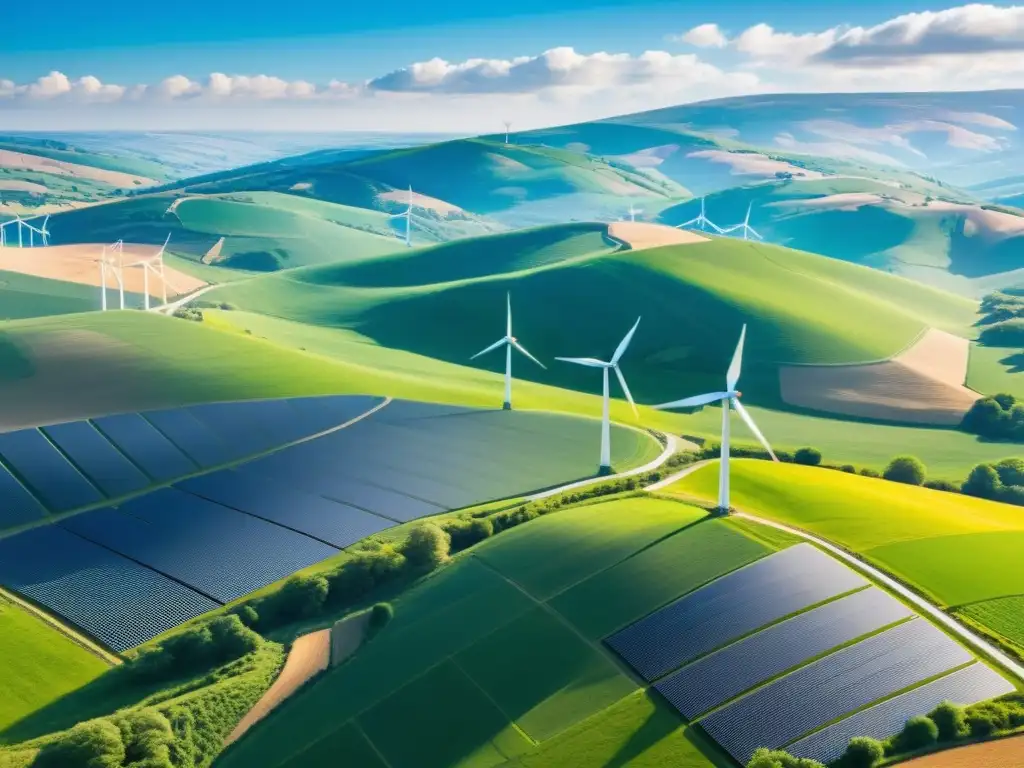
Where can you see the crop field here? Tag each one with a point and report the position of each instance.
(1004, 616)
(25, 296)
(39, 663)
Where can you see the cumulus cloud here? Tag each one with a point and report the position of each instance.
(554, 69)
(763, 42)
(703, 36)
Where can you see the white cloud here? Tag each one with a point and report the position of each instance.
(703, 36)
(762, 42)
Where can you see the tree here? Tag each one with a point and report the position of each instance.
(906, 469)
(778, 758)
(810, 457)
(920, 731)
(95, 744)
(427, 546)
(147, 737)
(862, 752)
(1011, 471)
(983, 482)
(950, 720)
(380, 615)
(300, 597)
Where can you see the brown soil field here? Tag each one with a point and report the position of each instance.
(212, 256)
(310, 655)
(80, 264)
(401, 196)
(640, 235)
(25, 162)
(17, 185)
(1004, 753)
(922, 385)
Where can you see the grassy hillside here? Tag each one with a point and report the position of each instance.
(448, 302)
(958, 550)
(40, 664)
(25, 296)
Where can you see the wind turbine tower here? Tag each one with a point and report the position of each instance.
(730, 396)
(509, 341)
(108, 263)
(613, 364)
(154, 264)
(701, 222)
(407, 215)
(633, 212)
(508, 127)
(745, 226)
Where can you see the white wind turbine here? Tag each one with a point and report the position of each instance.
(508, 127)
(509, 341)
(407, 215)
(3, 230)
(745, 226)
(633, 212)
(154, 264)
(116, 267)
(730, 395)
(700, 222)
(613, 364)
(42, 231)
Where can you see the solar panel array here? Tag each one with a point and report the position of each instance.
(731, 607)
(965, 686)
(833, 686)
(119, 602)
(715, 679)
(46, 471)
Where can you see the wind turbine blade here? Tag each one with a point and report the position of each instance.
(733, 374)
(508, 325)
(692, 402)
(522, 349)
(493, 346)
(755, 233)
(714, 226)
(749, 207)
(733, 228)
(625, 390)
(590, 362)
(745, 415)
(619, 350)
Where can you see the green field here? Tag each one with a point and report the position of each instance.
(1005, 616)
(39, 664)
(956, 549)
(25, 296)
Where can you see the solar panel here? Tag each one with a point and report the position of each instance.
(966, 686)
(194, 438)
(121, 603)
(145, 446)
(714, 679)
(19, 506)
(46, 471)
(274, 500)
(217, 551)
(275, 418)
(831, 687)
(730, 607)
(107, 467)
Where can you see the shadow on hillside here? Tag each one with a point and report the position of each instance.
(657, 727)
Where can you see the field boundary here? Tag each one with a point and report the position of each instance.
(74, 636)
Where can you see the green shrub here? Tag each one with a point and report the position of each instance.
(848, 468)
(147, 737)
(777, 758)
(95, 744)
(810, 457)
(465, 533)
(194, 649)
(427, 546)
(1010, 471)
(981, 724)
(301, 597)
(380, 615)
(502, 521)
(919, 732)
(983, 482)
(862, 752)
(949, 719)
(905, 469)
(868, 472)
(246, 614)
(942, 485)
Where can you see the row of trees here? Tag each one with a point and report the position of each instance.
(999, 417)
(140, 739)
(1002, 322)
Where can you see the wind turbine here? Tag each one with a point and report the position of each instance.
(42, 231)
(407, 215)
(613, 364)
(3, 230)
(107, 263)
(158, 271)
(745, 226)
(701, 222)
(509, 341)
(633, 212)
(730, 395)
(508, 127)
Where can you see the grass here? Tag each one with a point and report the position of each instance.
(654, 576)
(26, 296)
(542, 674)
(1005, 616)
(349, 741)
(995, 369)
(955, 549)
(563, 549)
(40, 665)
(447, 722)
(641, 731)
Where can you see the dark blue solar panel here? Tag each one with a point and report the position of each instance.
(714, 679)
(121, 603)
(45, 469)
(195, 438)
(275, 418)
(147, 447)
(218, 551)
(964, 687)
(278, 502)
(18, 506)
(732, 606)
(831, 687)
(236, 424)
(102, 462)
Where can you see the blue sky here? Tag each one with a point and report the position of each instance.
(368, 66)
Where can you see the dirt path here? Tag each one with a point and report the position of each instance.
(924, 384)
(640, 235)
(310, 655)
(1005, 753)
